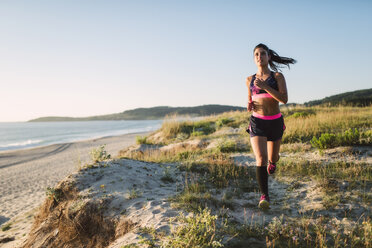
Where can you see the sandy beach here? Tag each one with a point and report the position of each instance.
(25, 174)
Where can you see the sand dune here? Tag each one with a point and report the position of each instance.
(25, 174)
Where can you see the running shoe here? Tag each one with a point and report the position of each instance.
(271, 168)
(264, 202)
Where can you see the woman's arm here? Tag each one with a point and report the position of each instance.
(250, 105)
(281, 94)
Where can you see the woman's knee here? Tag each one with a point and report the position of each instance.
(261, 160)
(274, 158)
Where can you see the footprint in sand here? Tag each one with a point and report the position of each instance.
(138, 205)
(170, 213)
(164, 228)
(156, 211)
(155, 203)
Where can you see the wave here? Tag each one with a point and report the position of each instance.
(21, 144)
(28, 135)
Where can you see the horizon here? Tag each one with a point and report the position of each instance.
(74, 59)
(118, 112)
(289, 103)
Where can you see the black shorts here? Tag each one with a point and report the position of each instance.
(272, 129)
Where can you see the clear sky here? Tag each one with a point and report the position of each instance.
(82, 58)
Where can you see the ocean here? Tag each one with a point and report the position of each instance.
(20, 135)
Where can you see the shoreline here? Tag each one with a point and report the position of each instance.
(72, 142)
(26, 173)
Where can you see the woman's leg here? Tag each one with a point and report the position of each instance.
(273, 148)
(259, 146)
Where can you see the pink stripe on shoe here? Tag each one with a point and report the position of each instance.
(267, 117)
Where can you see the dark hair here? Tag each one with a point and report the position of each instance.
(275, 61)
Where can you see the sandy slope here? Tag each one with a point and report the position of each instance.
(25, 175)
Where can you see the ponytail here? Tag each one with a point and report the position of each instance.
(276, 61)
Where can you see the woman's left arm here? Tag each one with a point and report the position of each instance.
(281, 94)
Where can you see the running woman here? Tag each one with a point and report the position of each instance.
(266, 89)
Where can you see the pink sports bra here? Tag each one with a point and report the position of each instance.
(260, 93)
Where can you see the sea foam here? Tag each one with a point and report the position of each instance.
(18, 145)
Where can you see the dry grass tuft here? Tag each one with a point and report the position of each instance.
(59, 224)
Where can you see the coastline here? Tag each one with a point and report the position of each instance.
(86, 140)
(26, 173)
(18, 136)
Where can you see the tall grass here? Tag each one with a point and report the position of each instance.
(331, 120)
(357, 172)
(303, 123)
(193, 197)
(172, 128)
(178, 154)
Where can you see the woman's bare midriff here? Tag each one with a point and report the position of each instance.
(266, 106)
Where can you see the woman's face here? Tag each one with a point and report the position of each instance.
(261, 58)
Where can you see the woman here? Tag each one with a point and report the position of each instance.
(265, 90)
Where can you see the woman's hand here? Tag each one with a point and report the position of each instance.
(250, 106)
(260, 83)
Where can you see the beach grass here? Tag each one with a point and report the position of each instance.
(302, 128)
(339, 170)
(214, 183)
(308, 128)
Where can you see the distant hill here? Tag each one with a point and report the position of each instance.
(357, 98)
(149, 113)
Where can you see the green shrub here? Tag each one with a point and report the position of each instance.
(223, 122)
(134, 193)
(195, 231)
(349, 137)
(99, 154)
(196, 133)
(141, 140)
(207, 127)
(329, 140)
(6, 227)
(302, 114)
(227, 145)
(326, 140)
(55, 194)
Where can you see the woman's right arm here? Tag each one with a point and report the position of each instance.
(250, 103)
